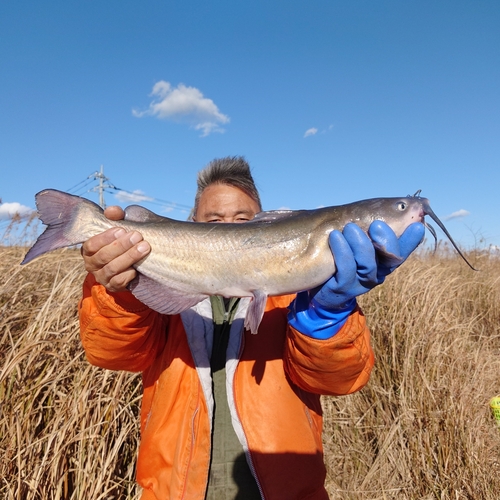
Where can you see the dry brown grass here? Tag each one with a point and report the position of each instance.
(67, 429)
(421, 429)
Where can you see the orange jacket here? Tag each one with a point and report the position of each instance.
(276, 378)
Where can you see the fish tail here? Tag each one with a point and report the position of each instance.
(60, 212)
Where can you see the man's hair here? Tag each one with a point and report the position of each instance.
(231, 171)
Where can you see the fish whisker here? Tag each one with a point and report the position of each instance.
(433, 232)
(428, 211)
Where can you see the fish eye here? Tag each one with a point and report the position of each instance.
(402, 206)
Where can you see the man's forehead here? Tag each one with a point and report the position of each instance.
(223, 197)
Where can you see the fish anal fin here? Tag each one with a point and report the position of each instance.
(255, 311)
(161, 298)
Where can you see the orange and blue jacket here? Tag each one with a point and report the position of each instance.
(275, 379)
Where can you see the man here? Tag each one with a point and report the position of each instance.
(258, 435)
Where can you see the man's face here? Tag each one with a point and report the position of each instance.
(222, 203)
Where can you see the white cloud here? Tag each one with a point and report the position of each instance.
(186, 105)
(135, 196)
(459, 214)
(314, 131)
(9, 210)
(311, 131)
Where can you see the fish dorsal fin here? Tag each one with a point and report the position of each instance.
(136, 213)
(160, 297)
(273, 215)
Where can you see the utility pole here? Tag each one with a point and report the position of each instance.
(102, 186)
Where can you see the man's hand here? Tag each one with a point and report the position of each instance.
(109, 256)
(362, 263)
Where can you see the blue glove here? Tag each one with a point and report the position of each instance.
(362, 263)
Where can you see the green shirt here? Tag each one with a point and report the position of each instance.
(230, 477)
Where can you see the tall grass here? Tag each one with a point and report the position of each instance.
(67, 429)
(421, 429)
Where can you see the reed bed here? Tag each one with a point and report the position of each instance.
(421, 429)
(68, 430)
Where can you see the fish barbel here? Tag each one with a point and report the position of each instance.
(277, 253)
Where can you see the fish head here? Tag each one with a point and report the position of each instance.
(402, 212)
(398, 213)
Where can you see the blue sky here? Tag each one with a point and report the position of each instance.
(330, 101)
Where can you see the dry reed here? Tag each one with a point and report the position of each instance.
(421, 429)
(68, 430)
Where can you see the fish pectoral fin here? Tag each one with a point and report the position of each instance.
(387, 259)
(162, 298)
(136, 213)
(255, 311)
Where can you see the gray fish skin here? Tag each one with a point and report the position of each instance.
(277, 253)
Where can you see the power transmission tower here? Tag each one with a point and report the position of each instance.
(103, 184)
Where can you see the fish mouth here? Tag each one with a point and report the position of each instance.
(427, 210)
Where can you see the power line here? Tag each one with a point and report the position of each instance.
(154, 201)
(106, 186)
(86, 181)
(81, 187)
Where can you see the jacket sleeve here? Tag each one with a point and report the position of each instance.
(336, 366)
(118, 332)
